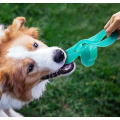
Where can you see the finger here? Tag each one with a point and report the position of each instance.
(107, 25)
(111, 20)
(111, 28)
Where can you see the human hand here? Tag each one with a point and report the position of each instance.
(113, 24)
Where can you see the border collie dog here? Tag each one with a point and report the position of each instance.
(26, 64)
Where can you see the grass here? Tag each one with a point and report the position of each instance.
(89, 91)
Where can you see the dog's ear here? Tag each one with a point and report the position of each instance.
(33, 32)
(18, 22)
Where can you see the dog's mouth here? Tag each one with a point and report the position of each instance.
(64, 70)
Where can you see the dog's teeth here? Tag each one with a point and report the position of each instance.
(67, 68)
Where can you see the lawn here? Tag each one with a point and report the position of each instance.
(89, 91)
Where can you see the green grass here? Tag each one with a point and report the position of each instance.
(89, 91)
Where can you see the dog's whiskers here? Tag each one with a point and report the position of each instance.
(61, 45)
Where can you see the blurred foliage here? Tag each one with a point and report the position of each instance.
(89, 91)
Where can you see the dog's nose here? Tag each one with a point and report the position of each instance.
(59, 56)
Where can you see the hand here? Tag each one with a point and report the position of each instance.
(113, 24)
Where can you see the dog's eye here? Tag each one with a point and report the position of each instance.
(35, 45)
(30, 68)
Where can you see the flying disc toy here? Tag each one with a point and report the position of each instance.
(87, 48)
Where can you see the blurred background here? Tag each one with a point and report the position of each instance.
(89, 91)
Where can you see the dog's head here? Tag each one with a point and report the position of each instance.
(26, 62)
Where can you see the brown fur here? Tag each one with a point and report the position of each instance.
(13, 76)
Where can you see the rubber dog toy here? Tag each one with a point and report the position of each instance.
(87, 48)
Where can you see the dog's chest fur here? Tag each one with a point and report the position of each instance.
(8, 102)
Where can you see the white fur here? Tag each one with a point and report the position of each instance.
(8, 102)
(38, 90)
(43, 57)
(1, 31)
(11, 113)
(3, 114)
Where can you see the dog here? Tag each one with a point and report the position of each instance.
(26, 65)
